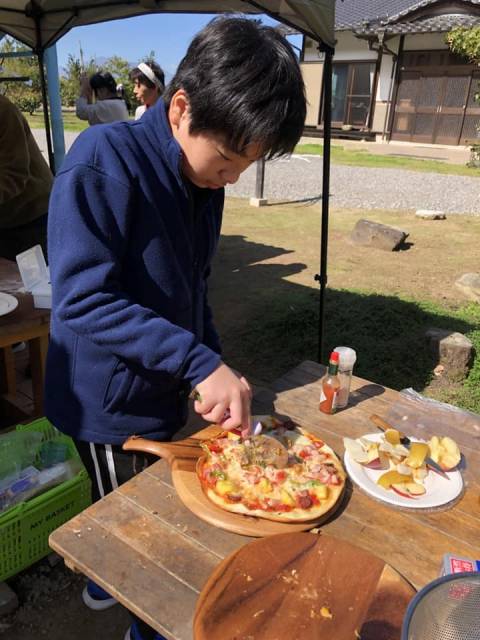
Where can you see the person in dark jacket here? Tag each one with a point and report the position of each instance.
(132, 332)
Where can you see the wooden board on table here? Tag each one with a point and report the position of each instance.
(288, 586)
(189, 490)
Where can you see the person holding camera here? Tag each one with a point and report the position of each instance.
(107, 107)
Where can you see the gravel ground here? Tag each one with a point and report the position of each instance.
(300, 177)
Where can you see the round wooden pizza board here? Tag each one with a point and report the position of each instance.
(182, 456)
(302, 585)
(189, 490)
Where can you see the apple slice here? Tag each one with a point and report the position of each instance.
(451, 456)
(401, 490)
(392, 436)
(418, 452)
(434, 444)
(415, 489)
(372, 451)
(445, 452)
(393, 477)
(355, 450)
(421, 473)
(377, 464)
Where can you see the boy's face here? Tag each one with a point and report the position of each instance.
(207, 162)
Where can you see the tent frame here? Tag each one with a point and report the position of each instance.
(36, 13)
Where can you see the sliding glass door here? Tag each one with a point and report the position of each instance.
(352, 87)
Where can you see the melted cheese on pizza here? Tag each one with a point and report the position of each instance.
(235, 473)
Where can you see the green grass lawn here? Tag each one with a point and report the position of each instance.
(363, 158)
(387, 333)
(70, 121)
(265, 299)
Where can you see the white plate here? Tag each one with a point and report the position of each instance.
(439, 489)
(7, 303)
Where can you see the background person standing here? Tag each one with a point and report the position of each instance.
(108, 106)
(149, 84)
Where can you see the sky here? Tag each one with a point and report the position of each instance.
(167, 34)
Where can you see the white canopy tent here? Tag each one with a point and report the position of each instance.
(40, 23)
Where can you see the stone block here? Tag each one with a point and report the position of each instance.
(469, 285)
(8, 599)
(430, 214)
(379, 236)
(451, 349)
(258, 202)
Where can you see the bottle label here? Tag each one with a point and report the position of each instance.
(329, 403)
(334, 401)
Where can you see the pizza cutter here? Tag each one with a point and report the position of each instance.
(263, 449)
(267, 450)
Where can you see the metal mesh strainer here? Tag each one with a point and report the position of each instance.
(446, 609)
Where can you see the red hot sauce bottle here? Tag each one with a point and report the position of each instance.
(330, 386)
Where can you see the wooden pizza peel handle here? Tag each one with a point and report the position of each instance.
(188, 448)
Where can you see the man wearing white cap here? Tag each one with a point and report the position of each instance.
(149, 83)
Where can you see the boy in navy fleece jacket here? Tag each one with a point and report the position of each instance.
(134, 221)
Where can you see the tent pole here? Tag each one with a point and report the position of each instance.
(46, 118)
(327, 131)
(39, 50)
(54, 101)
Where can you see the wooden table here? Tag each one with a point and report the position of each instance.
(24, 324)
(149, 551)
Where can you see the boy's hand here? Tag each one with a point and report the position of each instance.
(224, 398)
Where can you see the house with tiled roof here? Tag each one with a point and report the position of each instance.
(394, 77)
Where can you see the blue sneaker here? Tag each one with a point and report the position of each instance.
(133, 633)
(97, 598)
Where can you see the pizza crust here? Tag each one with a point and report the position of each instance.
(296, 515)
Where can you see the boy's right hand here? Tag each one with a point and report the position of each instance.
(225, 399)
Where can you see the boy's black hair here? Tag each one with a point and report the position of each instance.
(103, 80)
(243, 82)
(136, 74)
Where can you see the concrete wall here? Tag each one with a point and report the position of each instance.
(350, 48)
(425, 42)
(312, 76)
(379, 115)
(347, 48)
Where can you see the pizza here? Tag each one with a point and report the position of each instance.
(236, 477)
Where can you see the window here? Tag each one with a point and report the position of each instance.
(352, 86)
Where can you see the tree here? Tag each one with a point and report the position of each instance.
(465, 42)
(70, 78)
(26, 94)
(120, 70)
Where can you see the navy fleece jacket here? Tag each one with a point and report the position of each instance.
(130, 246)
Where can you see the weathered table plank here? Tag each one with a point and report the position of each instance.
(146, 548)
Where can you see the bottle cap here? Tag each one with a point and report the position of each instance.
(334, 357)
(347, 356)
